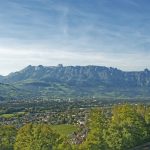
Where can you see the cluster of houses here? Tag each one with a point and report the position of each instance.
(79, 136)
(76, 117)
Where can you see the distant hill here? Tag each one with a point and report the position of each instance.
(72, 81)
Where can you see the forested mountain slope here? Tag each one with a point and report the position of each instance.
(80, 81)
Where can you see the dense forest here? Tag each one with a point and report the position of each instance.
(121, 127)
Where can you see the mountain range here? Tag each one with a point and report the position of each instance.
(74, 81)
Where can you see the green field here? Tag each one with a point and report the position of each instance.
(7, 115)
(64, 129)
(12, 115)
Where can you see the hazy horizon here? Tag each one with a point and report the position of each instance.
(50, 32)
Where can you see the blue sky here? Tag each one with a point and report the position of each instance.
(74, 32)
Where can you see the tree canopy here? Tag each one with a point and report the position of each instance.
(7, 137)
(37, 137)
(127, 126)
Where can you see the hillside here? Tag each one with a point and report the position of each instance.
(97, 81)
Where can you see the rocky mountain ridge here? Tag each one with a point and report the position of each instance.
(89, 80)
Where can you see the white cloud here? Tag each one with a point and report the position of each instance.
(50, 33)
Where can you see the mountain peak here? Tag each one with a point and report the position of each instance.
(60, 65)
(146, 70)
